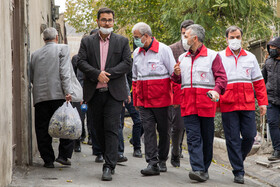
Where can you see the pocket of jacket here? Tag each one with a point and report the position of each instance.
(202, 74)
(202, 100)
(249, 93)
(247, 69)
(158, 88)
(139, 89)
(228, 96)
(155, 67)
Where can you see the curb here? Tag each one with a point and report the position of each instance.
(220, 143)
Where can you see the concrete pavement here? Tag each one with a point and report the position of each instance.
(269, 174)
(85, 172)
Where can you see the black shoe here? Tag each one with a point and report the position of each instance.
(206, 175)
(89, 141)
(77, 149)
(137, 153)
(113, 171)
(175, 161)
(99, 159)
(63, 161)
(239, 179)
(77, 146)
(181, 155)
(49, 165)
(162, 167)
(122, 158)
(107, 174)
(82, 139)
(181, 152)
(131, 141)
(275, 156)
(197, 175)
(150, 170)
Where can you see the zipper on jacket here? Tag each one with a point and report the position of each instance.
(191, 72)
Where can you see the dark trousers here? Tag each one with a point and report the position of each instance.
(177, 130)
(121, 143)
(236, 123)
(96, 149)
(273, 112)
(89, 124)
(106, 113)
(137, 128)
(43, 113)
(156, 119)
(200, 136)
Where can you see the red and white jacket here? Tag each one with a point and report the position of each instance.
(200, 73)
(177, 93)
(151, 72)
(242, 71)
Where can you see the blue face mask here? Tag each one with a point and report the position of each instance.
(138, 43)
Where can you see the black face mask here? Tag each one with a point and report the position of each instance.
(273, 53)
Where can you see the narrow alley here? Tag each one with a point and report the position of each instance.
(85, 172)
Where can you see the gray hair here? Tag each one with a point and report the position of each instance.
(198, 31)
(143, 28)
(49, 33)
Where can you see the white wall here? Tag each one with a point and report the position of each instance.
(39, 13)
(5, 95)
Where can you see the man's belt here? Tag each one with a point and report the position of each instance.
(104, 89)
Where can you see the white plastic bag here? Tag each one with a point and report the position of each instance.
(77, 90)
(65, 123)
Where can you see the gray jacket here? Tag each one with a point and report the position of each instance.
(50, 72)
(271, 75)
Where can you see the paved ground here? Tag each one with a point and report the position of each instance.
(85, 172)
(267, 176)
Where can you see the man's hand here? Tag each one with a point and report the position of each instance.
(103, 77)
(177, 69)
(215, 95)
(136, 108)
(262, 110)
(128, 99)
(68, 97)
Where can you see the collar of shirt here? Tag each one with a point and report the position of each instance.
(48, 43)
(104, 40)
(154, 46)
(229, 52)
(146, 49)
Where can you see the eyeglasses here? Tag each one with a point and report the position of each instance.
(104, 21)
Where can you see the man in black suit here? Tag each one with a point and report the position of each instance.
(105, 58)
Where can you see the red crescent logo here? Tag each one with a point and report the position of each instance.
(248, 72)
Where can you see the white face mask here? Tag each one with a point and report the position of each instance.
(106, 30)
(234, 44)
(186, 46)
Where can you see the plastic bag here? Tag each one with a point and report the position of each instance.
(65, 123)
(77, 90)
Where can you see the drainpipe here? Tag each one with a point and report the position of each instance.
(30, 147)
